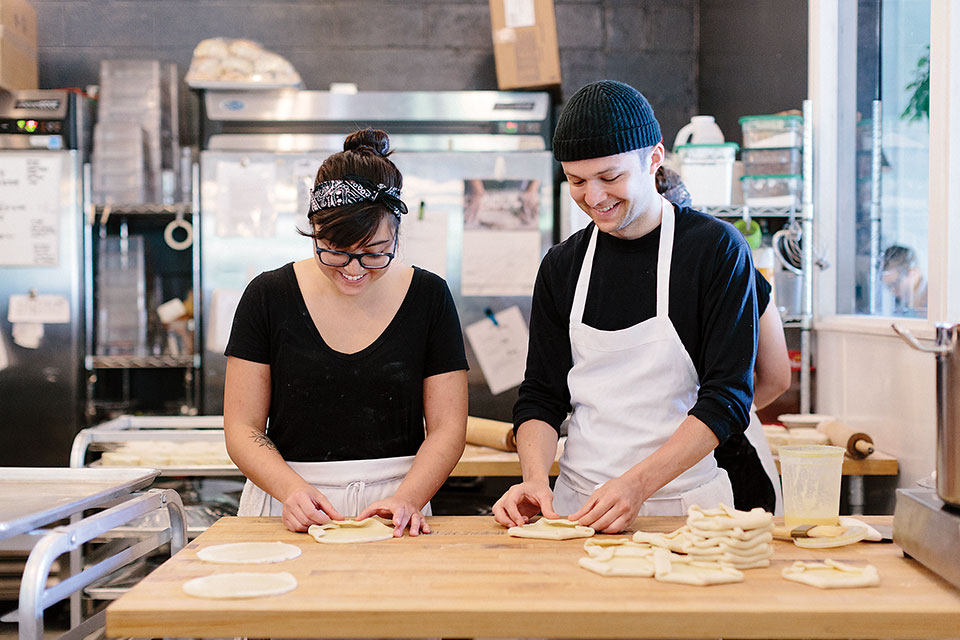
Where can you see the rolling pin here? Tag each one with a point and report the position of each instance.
(491, 433)
(857, 444)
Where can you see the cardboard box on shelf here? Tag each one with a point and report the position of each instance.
(525, 44)
(18, 45)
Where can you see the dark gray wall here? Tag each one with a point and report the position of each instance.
(752, 59)
(383, 44)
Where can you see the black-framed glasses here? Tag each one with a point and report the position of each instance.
(333, 258)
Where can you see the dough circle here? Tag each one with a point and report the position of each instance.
(350, 531)
(551, 529)
(249, 553)
(240, 585)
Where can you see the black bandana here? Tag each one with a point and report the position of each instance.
(337, 193)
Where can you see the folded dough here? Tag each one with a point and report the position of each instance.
(669, 567)
(349, 531)
(831, 574)
(551, 529)
(615, 565)
(249, 553)
(240, 585)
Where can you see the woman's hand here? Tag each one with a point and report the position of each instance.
(402, 512)
(306, 506)
(523, 501)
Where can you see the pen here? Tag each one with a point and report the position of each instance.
(420, 210)
(493, 318)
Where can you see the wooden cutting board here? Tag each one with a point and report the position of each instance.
(470, 579)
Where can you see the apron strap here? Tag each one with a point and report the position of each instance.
(664, 257)
(583, 281)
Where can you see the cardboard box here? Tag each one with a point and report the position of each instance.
(525, 44)
(18, 45)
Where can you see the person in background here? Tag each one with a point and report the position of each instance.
(901, 275)
(644, 324)
(346, 388)
(747, 457)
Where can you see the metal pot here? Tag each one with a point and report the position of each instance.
(948, 406)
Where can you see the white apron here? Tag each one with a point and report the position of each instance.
(630, 389)
(758, 439)
(350, 485)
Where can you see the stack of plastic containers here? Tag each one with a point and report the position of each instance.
(135, 139)
(707, 172)
(121, 324)
(772, 160)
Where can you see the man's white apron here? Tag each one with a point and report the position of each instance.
(630, 389)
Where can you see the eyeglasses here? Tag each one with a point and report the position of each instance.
(333, 258)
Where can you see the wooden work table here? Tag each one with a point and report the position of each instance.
(469, 579)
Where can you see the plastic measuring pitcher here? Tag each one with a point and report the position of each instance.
(811, 484)
(700, 130)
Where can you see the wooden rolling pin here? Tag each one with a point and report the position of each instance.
(857, 444)
(491, 433)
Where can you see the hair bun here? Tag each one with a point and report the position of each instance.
(375, 140)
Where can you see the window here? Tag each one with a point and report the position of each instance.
(891, 214)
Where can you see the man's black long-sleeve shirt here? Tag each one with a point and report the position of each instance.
(713, 306)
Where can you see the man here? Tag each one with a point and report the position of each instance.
(902, 277)
(644, 324)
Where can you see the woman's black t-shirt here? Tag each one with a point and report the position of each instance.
(326, 405)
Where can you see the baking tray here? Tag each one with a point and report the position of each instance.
(31, 497)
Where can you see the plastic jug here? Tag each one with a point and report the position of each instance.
(700, 130)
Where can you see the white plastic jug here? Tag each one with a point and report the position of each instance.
(700, 130)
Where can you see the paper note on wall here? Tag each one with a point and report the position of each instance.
(245, 199)
(501, 348)
(29, 211)
(44, 309)
(223, 306)
(424, 236)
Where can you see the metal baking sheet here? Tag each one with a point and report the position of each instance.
(31, 497)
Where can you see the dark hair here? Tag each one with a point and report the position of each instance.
(365, 155)
(898, 257)
(670, 186)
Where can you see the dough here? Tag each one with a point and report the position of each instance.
(249, 553)
(669, 567)
(348, 531)
(677, 541)
(725, 517)
(599, 547)
(733, 542)
(548, 529)
(614, 565)
(240, 585)
(831, 574)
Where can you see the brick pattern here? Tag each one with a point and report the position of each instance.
(383, 45)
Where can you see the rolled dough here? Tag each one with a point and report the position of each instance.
(350, 531)
(831, 574)
(550, 529)
(249, 553)
(240, 585)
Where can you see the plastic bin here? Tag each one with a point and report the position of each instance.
(771, 190)
(772, 131)
(707, 172)
(760, 162)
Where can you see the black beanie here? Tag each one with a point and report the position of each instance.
(603, 119)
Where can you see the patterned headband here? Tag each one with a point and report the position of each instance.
(337, 193)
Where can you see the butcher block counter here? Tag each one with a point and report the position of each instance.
(469, 579)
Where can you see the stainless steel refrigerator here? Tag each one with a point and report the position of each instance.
(41, 315)
(261, 152)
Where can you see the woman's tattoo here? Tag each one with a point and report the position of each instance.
(262, 440)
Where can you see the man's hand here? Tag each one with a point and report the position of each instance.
(612, 507)
(307, 506)
(402, 512)
(523, 501)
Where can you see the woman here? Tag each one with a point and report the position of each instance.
(346, 388)
(746, 457)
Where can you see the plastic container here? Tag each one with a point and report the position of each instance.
(811, 484)
(707, 172)
(758, 162)
(772, 131)
(779, 190)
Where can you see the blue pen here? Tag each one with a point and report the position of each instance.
(493, 318)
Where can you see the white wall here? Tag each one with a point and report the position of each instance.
(879, 385)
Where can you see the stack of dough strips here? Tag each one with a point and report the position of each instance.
(711, 548)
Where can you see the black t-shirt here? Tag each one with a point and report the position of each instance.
(713, 306)
(326, 405)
